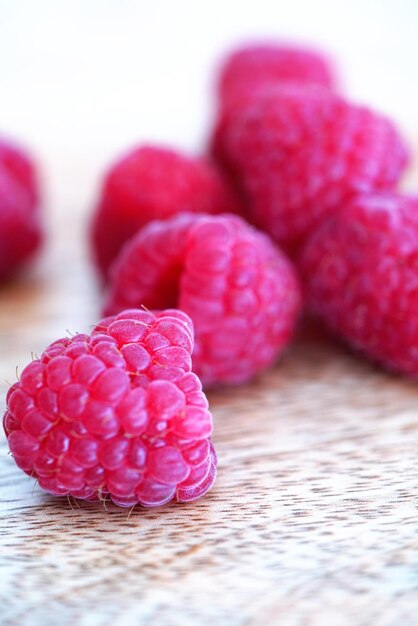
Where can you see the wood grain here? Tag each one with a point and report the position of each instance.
(313, 520)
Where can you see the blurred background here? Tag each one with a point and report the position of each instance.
(81, 80)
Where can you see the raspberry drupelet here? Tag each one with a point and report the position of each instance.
(298, 154)
(240, 291)
(20, 220)
(153, 182)
(360, 272)
(116, 414)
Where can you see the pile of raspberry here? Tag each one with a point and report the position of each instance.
(206, 264)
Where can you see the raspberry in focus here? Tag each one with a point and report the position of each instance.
(153, 183)
(20, 220)
(360, 271)
(301, 153)
(240, 291)
(259, 64)
(116, 414)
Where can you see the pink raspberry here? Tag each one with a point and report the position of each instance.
(260, 64)
(153, 183)
(239, 289)
(117, 414)
(300, 153)
(20, 166)
(20, 223)
(360, 270)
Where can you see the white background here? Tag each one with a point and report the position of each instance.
(82, 80)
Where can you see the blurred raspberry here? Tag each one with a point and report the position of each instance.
(20, 222)
(153, 183)
(117, 414)
(239, 289)
(301, 153)
(20, 166)
(259, 64)
(360, 270)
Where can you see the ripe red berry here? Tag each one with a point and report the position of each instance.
(117, 414)
(260, 64)
(20, 224)
(20, 166)
(239, 289)
(153, 183)
(360, 269)
(301, 153)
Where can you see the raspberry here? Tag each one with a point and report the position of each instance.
(240, 291)
(259, 64)
(20, 226)
(117, 414)
(20, 167)
(300, 153)
(153, 183)
(360, 269)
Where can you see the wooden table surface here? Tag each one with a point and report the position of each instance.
(313, 519)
